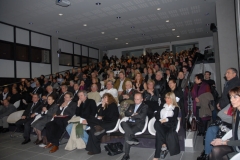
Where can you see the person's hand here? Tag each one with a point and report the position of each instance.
(225, 112)
(23, 117)
(84, 122)
(99, 117)
(44, 109)
(196, 99)
(33, 115)
(218, 142)
(79, 102)
(218, 107)
(163, 120)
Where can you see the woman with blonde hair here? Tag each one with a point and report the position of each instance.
(165, 125)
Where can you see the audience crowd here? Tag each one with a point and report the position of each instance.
(89, 101)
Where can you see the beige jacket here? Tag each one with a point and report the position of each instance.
(204, 100)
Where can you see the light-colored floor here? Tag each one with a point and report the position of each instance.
(11, 149)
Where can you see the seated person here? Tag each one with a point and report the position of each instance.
(75, 92)
(48, 111)
(15, 96)
(106, 119)
(4, 95)
(126, 98)
(28, 116)
(110, 90)
(51, 92)
(138, 83)
(120, 83)
(94, 94)
(38, 89)
(60, 99)
(85, 108)
(55, 128)
(166, 121)
(226, 149)
(5, 110)
(137, 113)
(181, 81)
(150, 97)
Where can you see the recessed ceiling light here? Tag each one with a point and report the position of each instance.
(132, 27)
(143, 34)
(60, 14)
(57, 31)
(98, 4)
(158, 9)
(207, 24)
(178, 36)
(84, 25)
(116, 38)
(118, 17)
(206, 14)
(126, 43)
(102, 32)
(167, 21)
(30, 23)
(173, 29)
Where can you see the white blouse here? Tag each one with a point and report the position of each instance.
(167, 111)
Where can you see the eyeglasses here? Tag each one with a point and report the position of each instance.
(234, 96)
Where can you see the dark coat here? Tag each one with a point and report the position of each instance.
(1, 96)
(130, 94)
(39, 90)
(54, 95)
(152, 77)
(141, 114)
(161, 86)
(36, 109)
(224, 100)
(60, 99)
(70, 110)
(6, 111)
(86, 109)
(75, 96)
(14, 98)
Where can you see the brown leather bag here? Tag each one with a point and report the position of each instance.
(194, 124)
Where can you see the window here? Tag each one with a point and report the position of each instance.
(22, 53)
(6, 50)
(40, 55)
(65, 59)
(77, 61)
(84, 61)
(93, 61)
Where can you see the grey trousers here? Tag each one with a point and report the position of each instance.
(3, 122)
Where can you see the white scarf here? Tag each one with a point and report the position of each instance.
(167, 111)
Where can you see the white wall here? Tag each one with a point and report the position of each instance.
(22, 36)
(6, 33)
(6, 68)
(23, 69)
(39, 40)
(203, 42)
(40, 69)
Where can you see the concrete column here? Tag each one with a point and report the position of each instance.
(217, 63)
(227, 39)
(55, 59)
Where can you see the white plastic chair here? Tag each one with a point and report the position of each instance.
(17, 103)
(227, 136)
(13, 118)
(138, 133)
(152, 130)
(115, 128)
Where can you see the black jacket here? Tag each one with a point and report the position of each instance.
(160, 86)
(152, 77)
(141, 114)
(70, 110)
(36, 109)
(87, 109)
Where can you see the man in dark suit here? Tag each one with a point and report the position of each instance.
(51, 92)
(75, 93)
(15, 96)
(4, 95)
(137, 114)
(55, 128)
(28, 117)
(60, 100)
(37, 90)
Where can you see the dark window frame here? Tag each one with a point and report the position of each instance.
(50, 57)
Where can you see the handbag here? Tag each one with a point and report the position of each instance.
(114, 148)
(194, 124)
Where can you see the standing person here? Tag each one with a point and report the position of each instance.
(166, 121)
(232, 81)
(207, 79)
(137, 113)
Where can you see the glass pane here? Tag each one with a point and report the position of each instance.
(40, 55)
(6, 50)
(93, 61)
(84, 61)
(76, 61)
(65, 59)
(22, 53)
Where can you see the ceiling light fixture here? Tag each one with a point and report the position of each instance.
(143, 34)
(207, 24)
(85, 25)
(118, 17)
(173, 29)
(57, 31)
(30, 23)
(98, 4)
(126, 43)
(206, 14)
(158, 9)
(167, 21)
(116, 38)
(60, 14)
(132, 27)
(178, 36)
(102, 32)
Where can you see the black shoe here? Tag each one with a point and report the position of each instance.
(5, 130)
(1, 128)
(125, 157)
(26, 141)
(163, 154)
(133, 141)
(98, 130)
(203, 157)
(200, 134)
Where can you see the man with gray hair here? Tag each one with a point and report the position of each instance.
(110, 90)
(64, 90)
(232, 81)
(160, 83)
(50, 92)
(94, 94)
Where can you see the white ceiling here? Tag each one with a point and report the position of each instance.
(188, 17)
